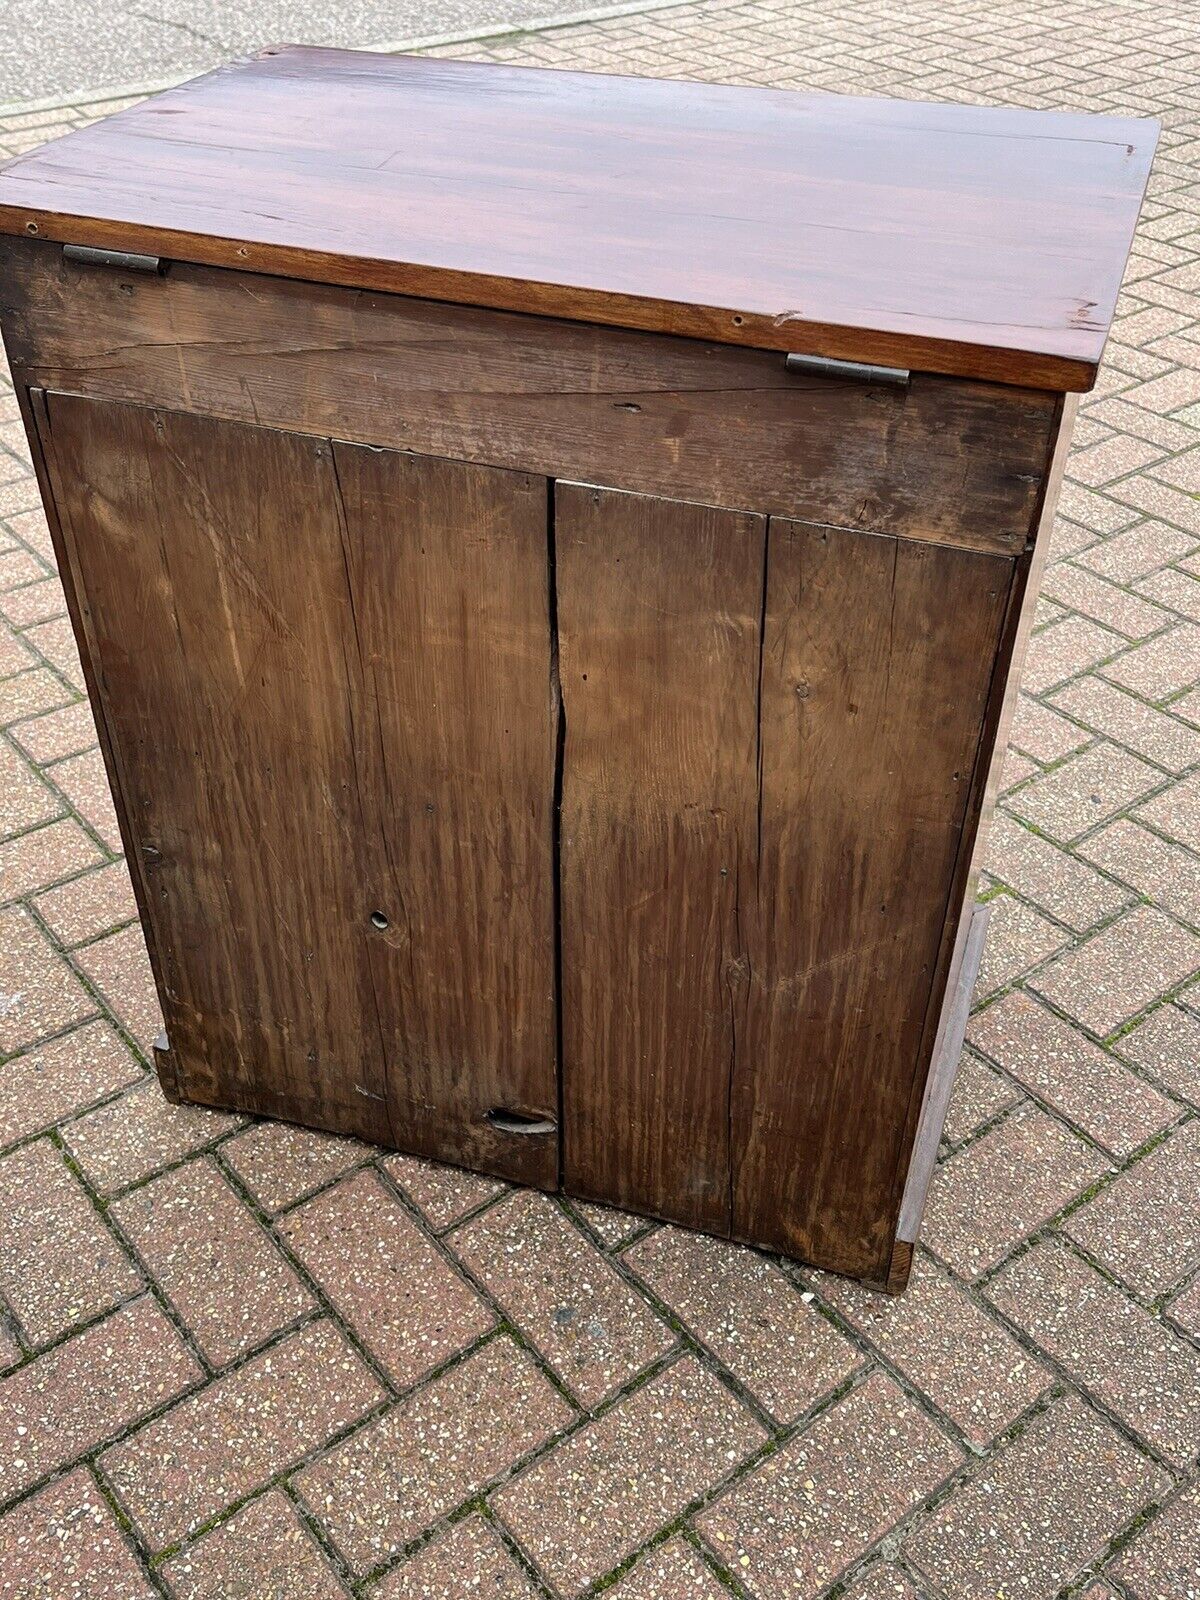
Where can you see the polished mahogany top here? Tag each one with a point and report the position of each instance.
(980, 242)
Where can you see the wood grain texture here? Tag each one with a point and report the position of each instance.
(983, 243)
(953, 462)
(878, 657)
(256, 707)
(226, 688)
(985, 784)
(448, 566)
(658, 610)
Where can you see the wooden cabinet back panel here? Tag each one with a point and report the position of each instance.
(289, 689)
(332, 676)
(449, 574)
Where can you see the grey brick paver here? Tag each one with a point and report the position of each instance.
(1092, 1040)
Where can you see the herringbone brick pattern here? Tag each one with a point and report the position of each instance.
(244, 1361)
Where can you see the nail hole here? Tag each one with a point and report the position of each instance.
(378, 920)
(518, 1121)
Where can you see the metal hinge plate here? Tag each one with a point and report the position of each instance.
(847, 371)
(123, 260)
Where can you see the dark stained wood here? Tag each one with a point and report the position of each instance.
(900, 1269)
(560, 743)
(985, 785)
(878, 658)
(277, 734)
(226, 689)
(954, 462)
(983, 243)
(449, 571)
(658, 614)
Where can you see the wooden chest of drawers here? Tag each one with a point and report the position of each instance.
(551, 695)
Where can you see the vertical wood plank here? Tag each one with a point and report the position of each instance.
(214, 591)
(449, 573)
(878, 656)
(281, 657)
(659, 607)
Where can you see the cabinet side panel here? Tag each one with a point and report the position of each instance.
(449, 574)
(878, 656)
(212, 583)
(659, 608)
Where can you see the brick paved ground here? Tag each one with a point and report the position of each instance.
(248, 1362)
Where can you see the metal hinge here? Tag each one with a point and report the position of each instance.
(123, 260)
(848, 371)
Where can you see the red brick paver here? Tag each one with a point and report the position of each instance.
(59, 1264)
(1034, 1517)
(65, 1542)
(946, 1346)
(799, 1520)
(744, 1309)
(469, 1559)
(400, 1295)
(223, 1274)
(392, 1481)
(672, 1572)
(580, 1511)
(1125, 1357)
(593, 1329)
(79, 1394)
(221, 1444)
(1163, 1562)
(243, 1360)
(263, 1552)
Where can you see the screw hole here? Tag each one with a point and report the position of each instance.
(378, 920)
(31, 227)
(737, 321)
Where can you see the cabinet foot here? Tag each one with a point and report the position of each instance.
(901, 1268)
(898, 1271)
